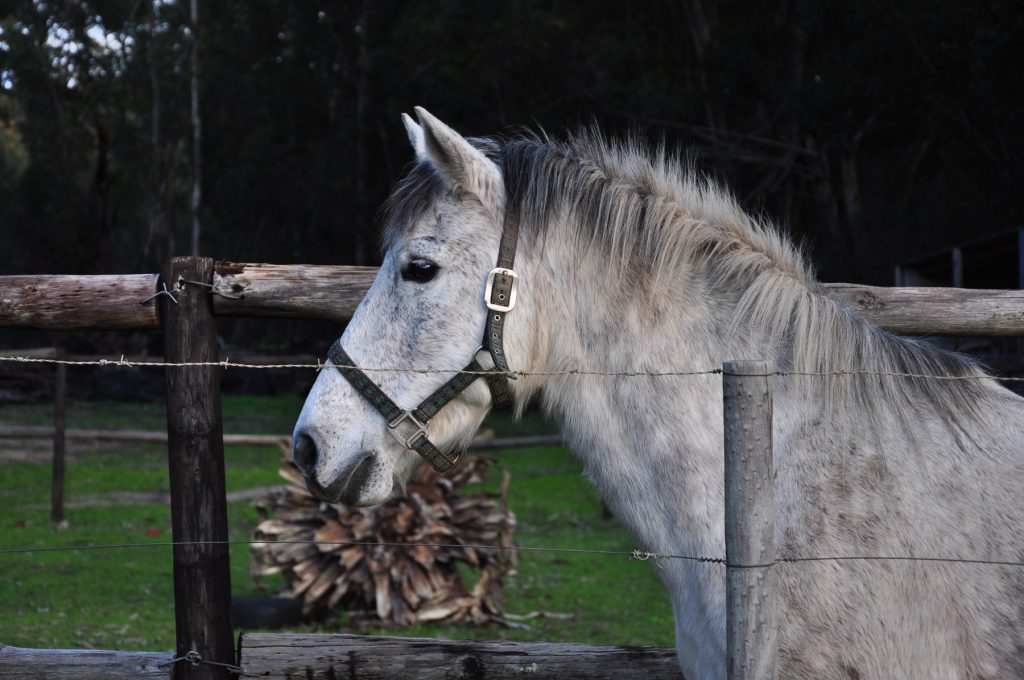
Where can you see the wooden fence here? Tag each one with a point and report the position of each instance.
(199, 510)
(331, 293)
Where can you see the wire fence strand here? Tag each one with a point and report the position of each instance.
(636, 554)
(227, 363)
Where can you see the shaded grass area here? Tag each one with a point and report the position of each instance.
(123, 599)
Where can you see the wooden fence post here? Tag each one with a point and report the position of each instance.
(751, 615)
(60, 398)
(202, 577)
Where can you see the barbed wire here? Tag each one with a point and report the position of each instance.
(632, 554)
(195, 658)
(637, 554)
(227, 363)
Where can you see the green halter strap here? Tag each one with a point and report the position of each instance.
(500, 296)
(410, 427)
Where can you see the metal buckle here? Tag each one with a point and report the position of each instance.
(407, 437)
(482, 351)
(495, 306)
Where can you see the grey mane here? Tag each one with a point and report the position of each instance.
(661, 225)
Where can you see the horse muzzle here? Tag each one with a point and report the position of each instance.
(363, 482)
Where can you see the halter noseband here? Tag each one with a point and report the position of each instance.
(409, 427)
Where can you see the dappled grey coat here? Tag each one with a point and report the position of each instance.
(630, 263)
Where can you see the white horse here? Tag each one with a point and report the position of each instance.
(629, 263)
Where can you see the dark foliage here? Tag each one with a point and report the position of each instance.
(874, 130)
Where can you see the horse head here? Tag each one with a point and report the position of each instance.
(423, 311)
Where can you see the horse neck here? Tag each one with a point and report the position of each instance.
(652, 445)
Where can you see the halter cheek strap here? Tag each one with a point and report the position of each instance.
(500, 296)
(410, 427)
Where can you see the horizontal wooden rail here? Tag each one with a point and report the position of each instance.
(59, 302)
(18, 663)
(234, 357)
(936, 311)
(291, 291)
(331, 293)
(142, 436)
(482, 442)
(36, 353)
(270, 655)
(282, 656)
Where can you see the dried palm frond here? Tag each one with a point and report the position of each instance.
(396, 563)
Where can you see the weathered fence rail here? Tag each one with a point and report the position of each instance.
(139, 436)
(936, 311)
(328, 292)
(68, 303)
(158, 437)
(20, 663)
(384, 658)
(289, 291)
(320, 657)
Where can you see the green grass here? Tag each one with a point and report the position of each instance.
(123, 599)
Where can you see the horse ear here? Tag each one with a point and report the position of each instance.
(415, 132)
(459, 162)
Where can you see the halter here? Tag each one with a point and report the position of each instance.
(409, 427)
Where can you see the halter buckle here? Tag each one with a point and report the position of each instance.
(407, 430)
(512, 293)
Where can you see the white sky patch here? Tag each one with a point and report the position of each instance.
(59, 38)
(106, 50)
(107, 40)
(100, 53)
(6, 75)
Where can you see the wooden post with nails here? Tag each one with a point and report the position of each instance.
(195, 442)
(751, 614)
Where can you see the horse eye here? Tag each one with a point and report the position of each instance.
(420, 270)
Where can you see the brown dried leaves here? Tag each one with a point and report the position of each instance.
(345, 564)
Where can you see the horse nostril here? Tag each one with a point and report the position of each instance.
(304, 454)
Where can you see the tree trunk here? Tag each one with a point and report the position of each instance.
(158, 231)
(197, 194)
(362, 165)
